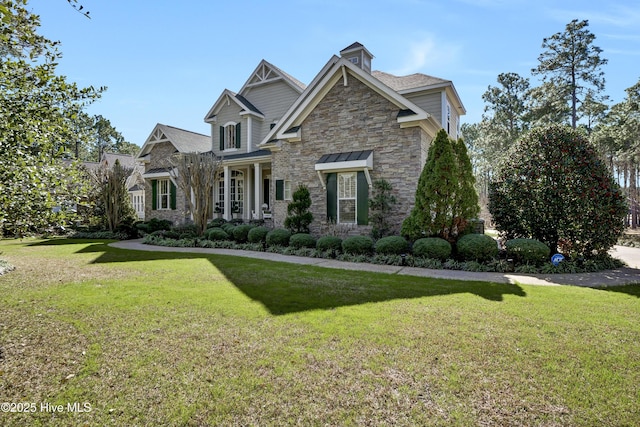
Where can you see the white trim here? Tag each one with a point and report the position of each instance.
(346, 166)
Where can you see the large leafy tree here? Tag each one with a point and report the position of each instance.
(37, 114)
(554, 187)
(572, 64)
(96, 136)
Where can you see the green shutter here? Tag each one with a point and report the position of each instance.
(238, 135)
(279, 189)
(173, 194)
(332, 197)
(362, 200)
(154, 194)
(221, 138)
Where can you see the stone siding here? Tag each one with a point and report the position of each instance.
(352, 118)
(159, 158)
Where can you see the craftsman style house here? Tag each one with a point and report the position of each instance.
(349, 127)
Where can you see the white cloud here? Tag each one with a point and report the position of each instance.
(428, 53)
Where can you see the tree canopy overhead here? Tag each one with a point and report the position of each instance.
(38, 110)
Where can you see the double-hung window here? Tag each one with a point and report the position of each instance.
(164, 195)
(347, 196)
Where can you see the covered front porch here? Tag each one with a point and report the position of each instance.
(243, 191)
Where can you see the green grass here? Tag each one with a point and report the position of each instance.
(186, 339)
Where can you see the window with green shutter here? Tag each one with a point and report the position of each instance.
(279, 189)
(230, 136)
(154, 194)
(173, 195)
(348, 198)
(238, 135)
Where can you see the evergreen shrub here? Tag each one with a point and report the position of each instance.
(216, 233)
(329, 243)
(477, 247)
(392, 245)
(357, 245)
(527, 251)
(257, 234)
(302, 240)
(278, 237)
(432, 247)
(241, 232)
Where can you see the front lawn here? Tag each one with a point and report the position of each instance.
(146, 338)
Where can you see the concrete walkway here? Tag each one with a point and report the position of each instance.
(622, 276)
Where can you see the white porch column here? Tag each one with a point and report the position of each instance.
(249, 134)
(227, 194)
(256, 190)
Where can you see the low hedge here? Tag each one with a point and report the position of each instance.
(527, 251)
(216, 233)
(392, 245)
(357, 245)
(241, 232)
(278, 237)
(257, 234)
(302, 240)
(432, 247)
(477, 247)
(228, 228)
(329, 243)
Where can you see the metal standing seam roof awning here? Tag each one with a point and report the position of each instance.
(352, 160)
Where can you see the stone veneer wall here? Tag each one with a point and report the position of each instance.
(353, 118)
(159, 155)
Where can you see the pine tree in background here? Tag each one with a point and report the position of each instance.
(433, 213)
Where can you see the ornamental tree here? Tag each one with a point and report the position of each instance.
(298, 216)
(553, 187)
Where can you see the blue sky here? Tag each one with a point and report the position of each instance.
(167, 62)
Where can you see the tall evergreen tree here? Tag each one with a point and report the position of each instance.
(572, 63)
(299, 218)
(466, 206)
(433, 213)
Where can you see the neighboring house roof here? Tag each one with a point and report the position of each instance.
(183, 140)
(126, 160)
(337, 69)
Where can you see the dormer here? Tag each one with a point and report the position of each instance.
(358, 55)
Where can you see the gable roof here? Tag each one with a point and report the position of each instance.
(266, 72)
(228, 96)
(185, 141)
(335, 70)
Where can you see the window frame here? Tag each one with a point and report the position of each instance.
(164, 194)
(343, 196)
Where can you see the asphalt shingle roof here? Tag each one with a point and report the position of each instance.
(412, 81)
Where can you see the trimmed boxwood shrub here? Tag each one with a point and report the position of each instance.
(228, 228)
(392, 245)
(278, 237)
(241, 232)
(477, 247)
(357, 245)
(432, 247)
(217, 233)
(302, 240)
(327, 243)
(527, 251)
(216, 222)
(257, 234)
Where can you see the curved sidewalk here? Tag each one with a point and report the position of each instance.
(618, 277)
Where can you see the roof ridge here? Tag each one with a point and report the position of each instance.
(186, 130)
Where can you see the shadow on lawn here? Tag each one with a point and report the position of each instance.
(288, 288)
